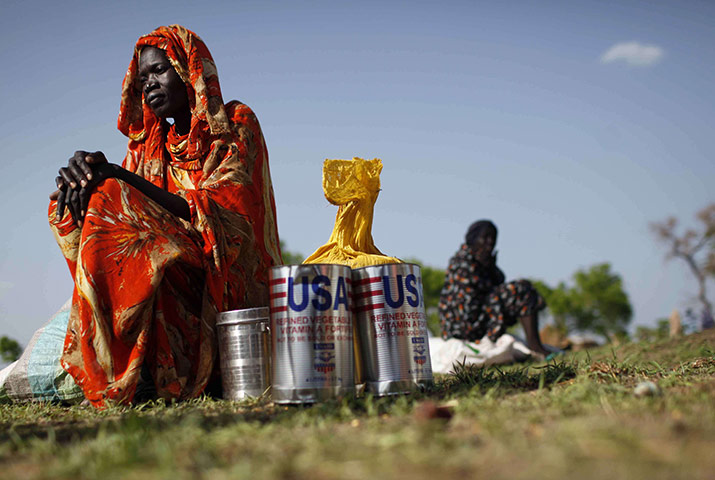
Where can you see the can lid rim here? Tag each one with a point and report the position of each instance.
(386, 264)
(310, 265)
(244, 315)
(341, 265)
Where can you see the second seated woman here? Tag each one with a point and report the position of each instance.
(475, 302)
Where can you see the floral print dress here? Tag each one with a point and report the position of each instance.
(476, 302)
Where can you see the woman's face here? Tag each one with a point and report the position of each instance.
(163, 89)
(486, 240)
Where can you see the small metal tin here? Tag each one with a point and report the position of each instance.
(391, 321)
(244, 352)
(312, 332)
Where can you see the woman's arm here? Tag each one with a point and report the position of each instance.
(173, 203)
(85, 170)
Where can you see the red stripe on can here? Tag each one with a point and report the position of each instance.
(365, 281)
(368, 293)
(280, 309)
(277, 281)
(278, 295)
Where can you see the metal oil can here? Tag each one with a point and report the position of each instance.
(244, 352)
(311, 332)
(391, 321)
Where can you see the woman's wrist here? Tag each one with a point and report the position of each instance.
(115, 171)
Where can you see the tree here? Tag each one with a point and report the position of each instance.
(290, 258)
(10, 350)
(696, 247)
(560, 302)
(648, 334)
(595, 303)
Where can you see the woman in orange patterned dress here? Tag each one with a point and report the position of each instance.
(184, 229)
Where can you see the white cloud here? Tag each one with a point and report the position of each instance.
(633, 53)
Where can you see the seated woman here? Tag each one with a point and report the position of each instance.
(476, 302)
(185, 228)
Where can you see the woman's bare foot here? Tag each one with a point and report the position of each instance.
(530, 323)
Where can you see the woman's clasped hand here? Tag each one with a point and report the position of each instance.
(76, 181)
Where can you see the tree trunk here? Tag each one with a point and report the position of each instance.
(702, 280)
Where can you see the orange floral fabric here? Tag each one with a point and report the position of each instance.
(148, 285)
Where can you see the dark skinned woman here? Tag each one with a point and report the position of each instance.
(476, 302)
(183, 229)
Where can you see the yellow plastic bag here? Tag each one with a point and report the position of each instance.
(352, 185)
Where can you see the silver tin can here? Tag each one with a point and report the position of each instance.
(243, 345)
(391, 321)
(311, 332)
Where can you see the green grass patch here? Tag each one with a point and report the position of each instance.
(576, 417)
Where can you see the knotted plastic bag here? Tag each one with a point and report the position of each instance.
(352, 185)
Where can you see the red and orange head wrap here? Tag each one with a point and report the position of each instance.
(193, 63)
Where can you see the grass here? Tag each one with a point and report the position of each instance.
(576, 417)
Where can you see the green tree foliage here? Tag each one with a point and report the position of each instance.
(432, 283)
(648, 334)
(596, 302)
(10, 350)
(290, 258)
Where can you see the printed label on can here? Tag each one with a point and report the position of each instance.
(389, 308)
(312, 330)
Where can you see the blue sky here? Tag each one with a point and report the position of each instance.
(572, 125)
